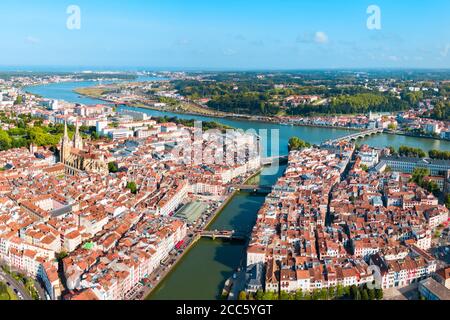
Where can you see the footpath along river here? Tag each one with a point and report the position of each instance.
(203, 271)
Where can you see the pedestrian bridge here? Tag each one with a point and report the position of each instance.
(253, 188)
(223, 234)
(354, 136)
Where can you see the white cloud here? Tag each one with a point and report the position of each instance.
(320, 37)
(183, 42)
(394, 58)
(229, 52)
(32, 40)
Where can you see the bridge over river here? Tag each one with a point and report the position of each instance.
(253, 188)
(224, 234)
(354, 136)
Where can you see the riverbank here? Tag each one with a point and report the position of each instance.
(314, 134)
(205, 112)
(194, 240)
(188, 108)
(95, 93)
(147, 292)
(229, 199)
(206, 264)
(414, 135)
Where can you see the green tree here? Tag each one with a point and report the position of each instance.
(315, 295)
(441, 111)
(347, 292)
(411, 152)
(269, 295)
(355, 293)
(447, 201)
(61, 255)
(438, 154)
(419, 174)
(113, 167)
(132, 186)
(29, 285)
(3, 288)
(259, 295)
(242, 295)
(323, 294)
(414, 97)
(39, 137)
(432, 187)
(339, 291)
(364, 295)
(372, 294)
(284, 295)
(5, 140)
(19, 100)
(332, 292)
(392, 150)
(379, 294)
(299, 295)
(295, 143)
(392, 126)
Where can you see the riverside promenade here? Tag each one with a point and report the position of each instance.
(158, 276)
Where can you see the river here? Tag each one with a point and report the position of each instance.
(315, 135)
(203, 271)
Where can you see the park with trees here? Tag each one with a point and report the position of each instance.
(338, 292)
(30, 130)
(295, 143)
(6, 293)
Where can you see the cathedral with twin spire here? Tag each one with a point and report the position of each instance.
(76, 158)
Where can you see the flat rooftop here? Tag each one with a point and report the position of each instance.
(436, 288)
(192, 211)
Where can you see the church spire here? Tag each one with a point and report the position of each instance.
(77, 140)
(66, 134)
(64, 144)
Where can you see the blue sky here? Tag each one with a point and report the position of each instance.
(226, 34)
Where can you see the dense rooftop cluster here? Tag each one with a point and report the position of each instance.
(328, 222)
(113, 236)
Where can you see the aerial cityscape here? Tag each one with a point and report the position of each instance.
(193, 168)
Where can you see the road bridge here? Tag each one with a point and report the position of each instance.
(223, 234)
(354, 136)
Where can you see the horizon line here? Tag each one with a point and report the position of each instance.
(70, 69)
